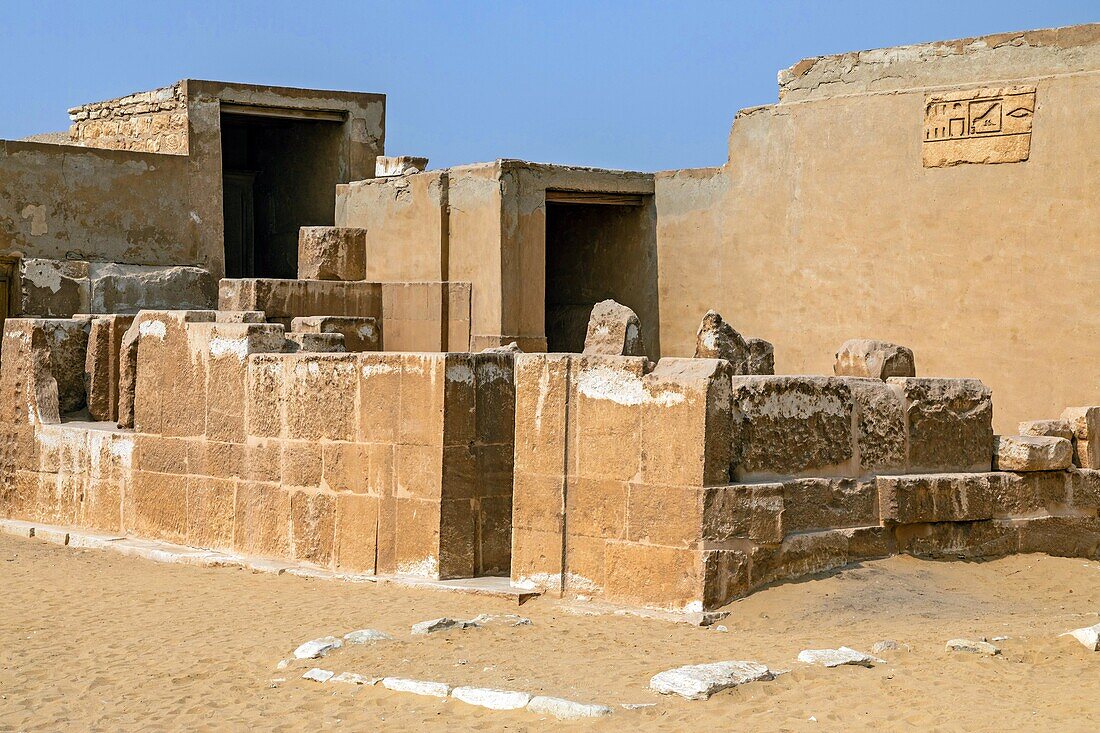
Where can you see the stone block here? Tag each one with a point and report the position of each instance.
(880, 426)
(458, 529)
(312, 526)
(332, 253)
(314, 380)
(1031, 453)
(1085, 424)
(957, 539)
(421, 414)
(924, 498)
(156, 506)
(792, 426)
(68, 346)
(664, 515)
(596, 508)
(360, 333)
(495, 397)
(613, 330)
(386, 166)
(116, 288)
(821, 503)
(313, 342)
(380, 397)
(648, 575)
(536, 559)
(798, 555)
(538, 502)
(1047, 428)
(761, 357)
(1059, 536)
(210, 512)
(52, 288)
(101, 365)
(356, 532)
(949, 421)
(873, 359)
(716, 339)
(541, 394)
(262, 520)
(284, 300)
(301, 463)
(494, 535)
(725, 577)
(416, 548)
(751, 511)
(1084, 489)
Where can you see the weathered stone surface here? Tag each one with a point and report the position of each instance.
(1047, 428)
(761, 357)
(957, 539)
(880, 426)
(314, 342)
(417, 687)
(821, 503)
(790, 426)
(613, 330)
(101, 365)
(366, 636)
(717, 339)
(1085, 423)
(68, 342)
(316, 648)
(118, 288)
(1031, 453)
(509, 348)
(354, 678)
(1089, 637)
(700, 681)
(950, 423)
(52, 288)
(332, 253)
(837, 657)
(318, 675)
(398, 165)
(886, 645)
(436, 624)
(360, 333)
(948, 497)
(1059, 536)
(874, 359)
(974, 647)
(493, 699)
(566, 709)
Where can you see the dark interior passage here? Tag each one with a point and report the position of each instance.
(278, 175)
(596, 251)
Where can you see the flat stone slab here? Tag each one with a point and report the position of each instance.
(435, 625)
(318, 675)
(417, 687)
(1031, 453)
(700, 681)
(837, 657)
(491, 698)
(563, 709)
(366, 636)
(1089, 637)
(316, 648)
(354, 678)
(974, 647)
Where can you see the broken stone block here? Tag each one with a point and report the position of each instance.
(332, 253)
(1089, 637)
(53, 288)
(241, 317)
(316, 648)
(1031, 453)
(700, 681)
(880, 425)
(361, 333)
(915, 499)
(613, 330)
(386, 166)
(366, 636)
(886, 645)
(566, 709)
(717, 339)
(493, 699)
(791, 426)
(314, 342)
(510, 348)
(417, 687)
(434, 625)
(874, 359)
(1046, 428)
(950, 423)
(101, 365)
(974, 647)
(837, 657)
(761, 357)
(354, 678)
(1085, 423)
(116, 288)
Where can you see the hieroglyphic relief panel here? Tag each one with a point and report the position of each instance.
(978, 126)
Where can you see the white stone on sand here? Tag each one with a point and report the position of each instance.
(700, 681)
(416, 687)
(566, 709)
(837, 657)
(317, 647)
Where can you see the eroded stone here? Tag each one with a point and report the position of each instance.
(614, 330)
(316, 648)
(873, 359)
(700, 681)
(1031, 453)
(837, 657)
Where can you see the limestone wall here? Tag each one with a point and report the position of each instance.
(370, 462)
(826, 223)
(149, 122)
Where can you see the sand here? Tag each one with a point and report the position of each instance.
(90, 640)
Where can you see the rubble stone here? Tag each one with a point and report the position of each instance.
(874, 359)
(717, 339)
(360, 333)
(1031, 453)
(1089, 637)
(386, 166)
(1046, 428)
(316, 648)
(332, 253)
(700, 681)
(318, 675)
(761, 357)
(354, 678)
(435, 624)
(974, 647)
(366, 636)
(837, 657)
(613, 330)
(1085, 423)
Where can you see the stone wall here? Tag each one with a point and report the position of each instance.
(148, 122)
(368, 462)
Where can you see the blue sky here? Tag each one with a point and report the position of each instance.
(638, 85)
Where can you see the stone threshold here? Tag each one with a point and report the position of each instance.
(168, 552)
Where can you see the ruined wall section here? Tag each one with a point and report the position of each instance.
(147, 122)
(840, 216)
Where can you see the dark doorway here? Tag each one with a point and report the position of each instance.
(599, 246)
(277, 175)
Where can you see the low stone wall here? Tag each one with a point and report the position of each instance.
(149, 122)
(623, 479)
(368, 462)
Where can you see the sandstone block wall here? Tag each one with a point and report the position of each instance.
(149, 122)
(370, 462)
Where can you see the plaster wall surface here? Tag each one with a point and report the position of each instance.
(824, 225)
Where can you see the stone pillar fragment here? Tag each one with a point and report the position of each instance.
(613, 330)
(717, 339)
(1085, 423)
(761, 357)
(874, 359)
(101, 366)
(332, 253)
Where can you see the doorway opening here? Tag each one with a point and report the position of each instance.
(278, 174)
(599, 246)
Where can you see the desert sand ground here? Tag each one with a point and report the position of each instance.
(90, 640)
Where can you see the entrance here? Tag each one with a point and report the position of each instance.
(599, 246)
(278, 174)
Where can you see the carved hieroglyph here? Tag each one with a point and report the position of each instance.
(978, 126)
